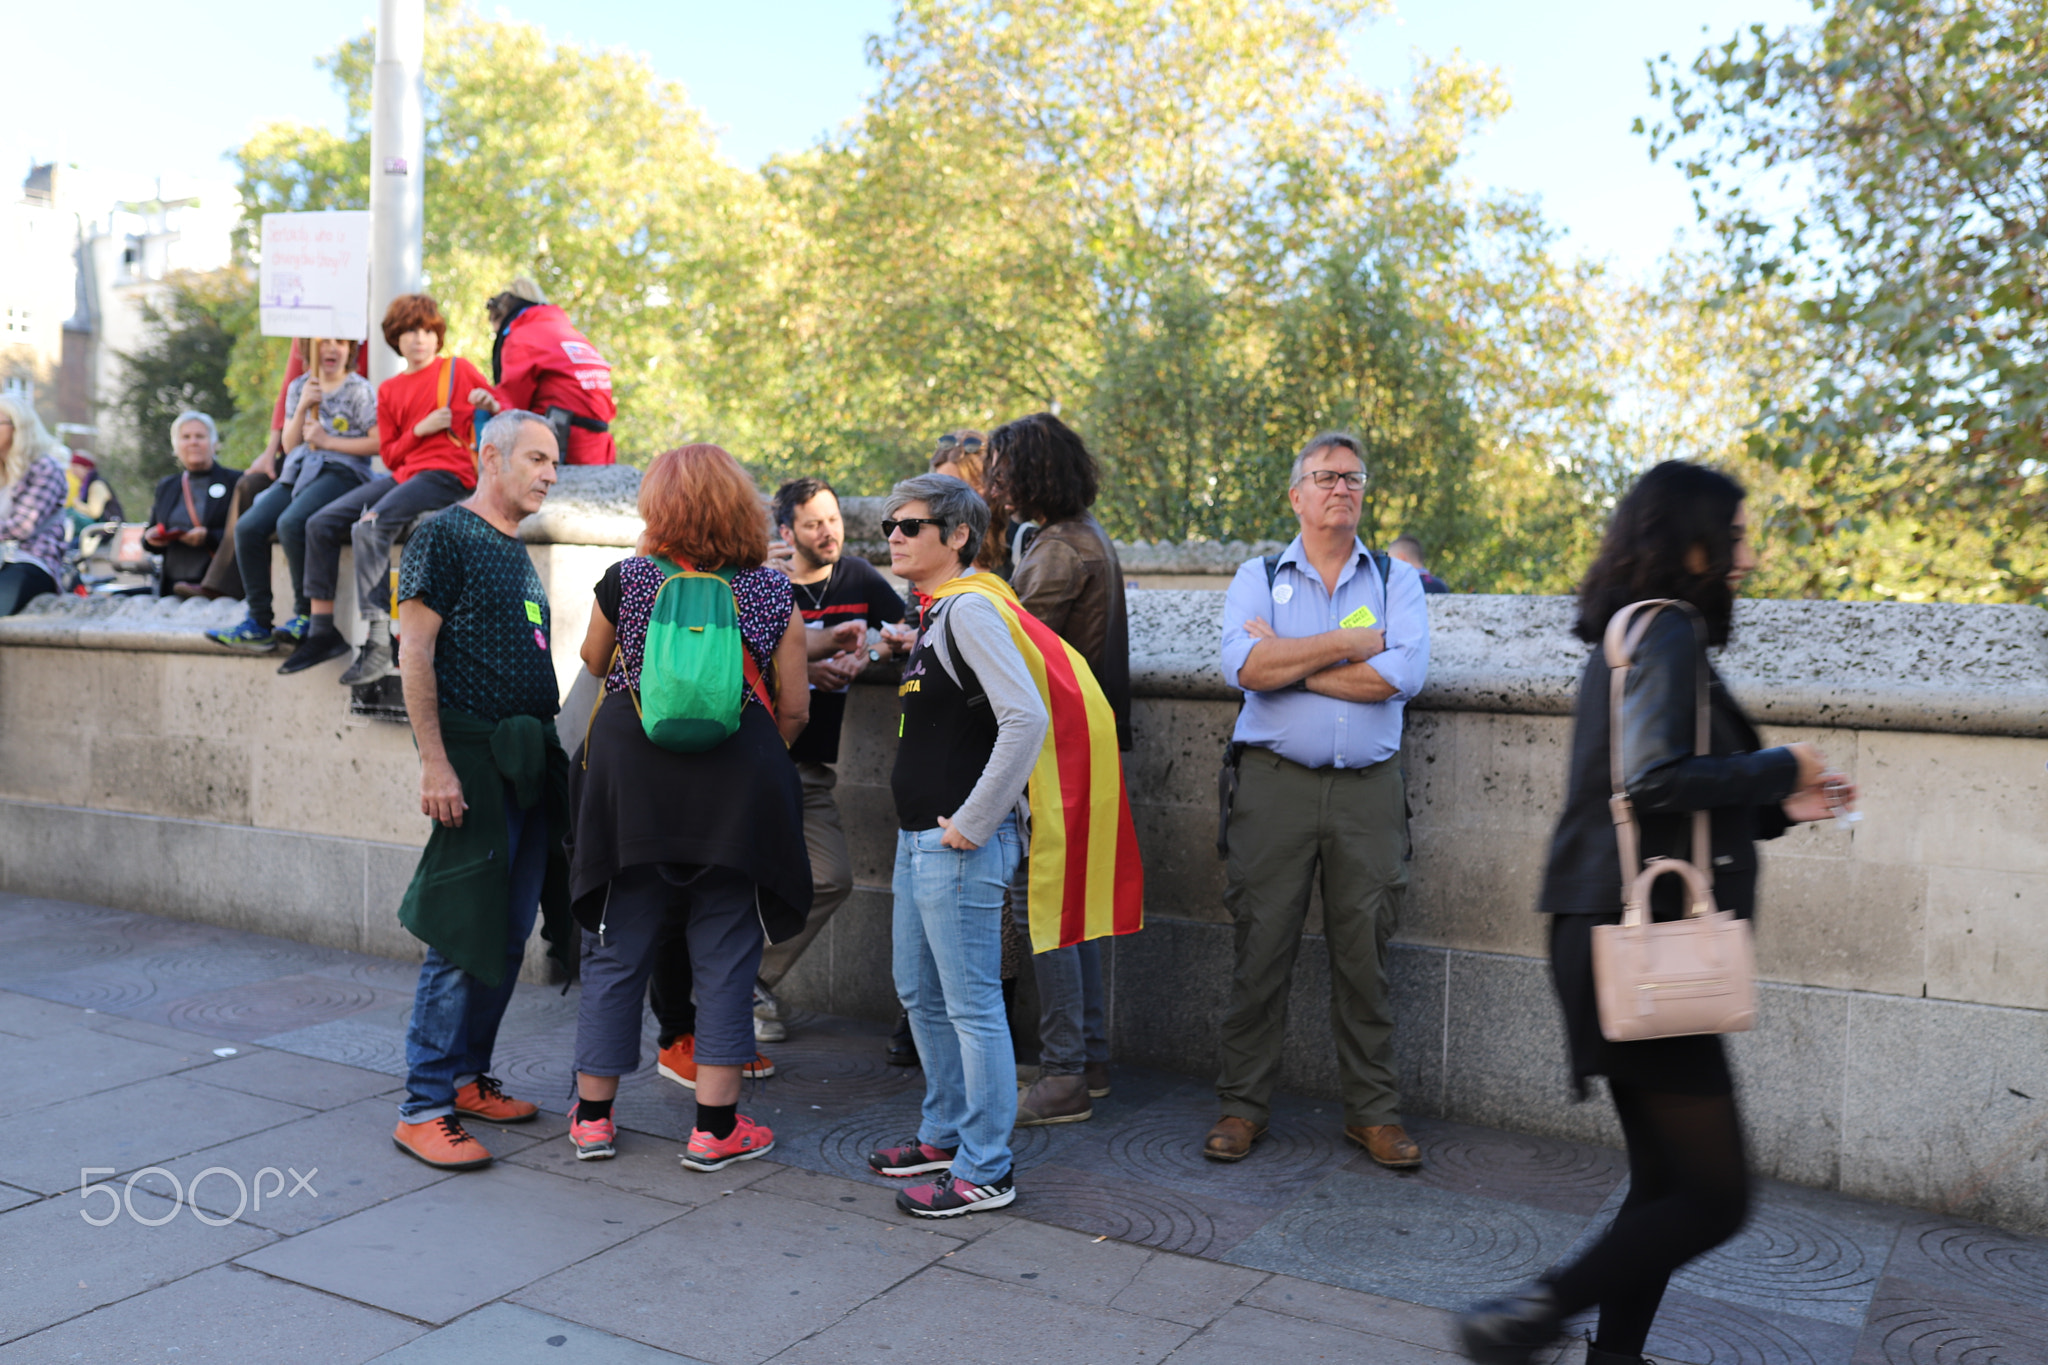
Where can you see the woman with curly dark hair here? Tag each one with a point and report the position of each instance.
(1067, 575)
(1681, 532)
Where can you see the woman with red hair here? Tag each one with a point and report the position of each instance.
(711, 841)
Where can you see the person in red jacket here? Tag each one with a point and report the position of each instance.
(543, 364)
(426, 420)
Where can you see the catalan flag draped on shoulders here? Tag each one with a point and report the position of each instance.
(1085, 877)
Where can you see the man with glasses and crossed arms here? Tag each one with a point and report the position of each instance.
(1328, 642)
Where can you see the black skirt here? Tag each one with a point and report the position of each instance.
(738, 806)
(1696, 1064)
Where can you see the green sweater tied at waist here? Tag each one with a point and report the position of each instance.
(457, 901)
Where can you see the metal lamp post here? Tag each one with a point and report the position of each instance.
(398, 157)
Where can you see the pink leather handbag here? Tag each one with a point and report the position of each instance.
(1690, 975)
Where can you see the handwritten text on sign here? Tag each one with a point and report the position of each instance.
(315, 280)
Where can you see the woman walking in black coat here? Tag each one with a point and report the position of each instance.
(1681, 532)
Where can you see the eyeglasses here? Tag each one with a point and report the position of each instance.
(949, 441)
(1353, 479)
(909, 526)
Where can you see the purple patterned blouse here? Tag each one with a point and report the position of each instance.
(626, 596)
(32, 515)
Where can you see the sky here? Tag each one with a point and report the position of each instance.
(129, 97)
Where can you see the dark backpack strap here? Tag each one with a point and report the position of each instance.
(970, 681)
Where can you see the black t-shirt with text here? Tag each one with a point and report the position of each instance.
(492, 657)
(855, 591)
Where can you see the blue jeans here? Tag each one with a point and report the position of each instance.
(948, 960)
(455, 1017)
(282, 509)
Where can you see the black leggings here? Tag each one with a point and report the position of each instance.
(1688, 1192)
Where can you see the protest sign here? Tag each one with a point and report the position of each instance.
(315, 280)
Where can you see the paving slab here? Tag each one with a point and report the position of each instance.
(54, 1265)
(875, 1198)
(1967, 1258)
(944, 1317)
(1075, 1268)
(1394, 1319)
(1912, 1323)
(1521, 1168)
(1803, 1252)
(440, 1252)
(223, 1316)
(63, 1064)
(737, 1280)
(1106, 1203)
(506, 1334)
(147, 1123)
(1246, 1333)
(258, 1009)
(1407, 1241)
(183, 1041)
(371, 1045)
(1186, 1290)
(304, 1081)
(12, 1198)
(28, 1016)
(1692, 1328)
(351, 1150)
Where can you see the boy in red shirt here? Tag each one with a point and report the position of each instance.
(426, 418)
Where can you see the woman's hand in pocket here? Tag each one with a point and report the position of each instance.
(954, 839)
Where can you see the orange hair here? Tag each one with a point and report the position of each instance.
(412, 313)
(702, 510)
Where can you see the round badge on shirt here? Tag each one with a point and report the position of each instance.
(219, 490)
(1283, 593)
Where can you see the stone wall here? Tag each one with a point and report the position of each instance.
(1903, 1048)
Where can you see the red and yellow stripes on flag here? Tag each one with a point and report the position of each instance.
(1085, 878)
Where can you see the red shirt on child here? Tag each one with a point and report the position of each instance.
(404, 401)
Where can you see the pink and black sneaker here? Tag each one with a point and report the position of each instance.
(595, 1140)
(914, 1157)
(949, 1196)
(746, 1141)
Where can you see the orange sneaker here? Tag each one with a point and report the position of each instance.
(441, 1143)
(747, 1140)
(679, 1063)
(482, 1099)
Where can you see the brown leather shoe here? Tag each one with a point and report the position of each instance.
(1098, 1080)
(1232, 1138)
(1388, 1144)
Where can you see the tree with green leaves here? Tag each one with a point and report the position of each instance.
(1910, 139)
(189, 335)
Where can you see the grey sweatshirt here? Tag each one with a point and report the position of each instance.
(983, 637)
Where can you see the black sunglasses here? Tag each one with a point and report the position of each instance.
(948, 441)
(910, 526)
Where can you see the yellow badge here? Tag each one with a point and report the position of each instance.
(533, 612)
(1362, 617)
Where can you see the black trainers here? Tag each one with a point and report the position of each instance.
(317, 648)
(949, 1197)
(912, 1158)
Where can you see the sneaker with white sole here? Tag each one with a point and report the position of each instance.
(915, 1157)
(595, 1140)
(949, 1196)
(746, 1141)
(769, 1025)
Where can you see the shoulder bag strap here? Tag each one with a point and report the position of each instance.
(191, 508)
(1624, 633)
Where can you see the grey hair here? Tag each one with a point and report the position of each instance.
(194, 415)
(1323, 440)
(950, 501)
(501, 433)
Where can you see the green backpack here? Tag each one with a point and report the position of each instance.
(695, 662)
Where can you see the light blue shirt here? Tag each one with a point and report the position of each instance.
(1312, 730)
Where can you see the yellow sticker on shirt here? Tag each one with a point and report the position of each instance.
(1362, 617)
(533, 612)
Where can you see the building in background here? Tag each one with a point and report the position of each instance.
(80, 256)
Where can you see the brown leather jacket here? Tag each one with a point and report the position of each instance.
(1069, 578)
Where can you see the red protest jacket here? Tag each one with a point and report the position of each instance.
(543, 362)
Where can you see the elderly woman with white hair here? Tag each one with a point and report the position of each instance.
(32, 490)
(191, 509)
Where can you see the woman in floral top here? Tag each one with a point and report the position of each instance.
(32, 490)
(711, 842)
